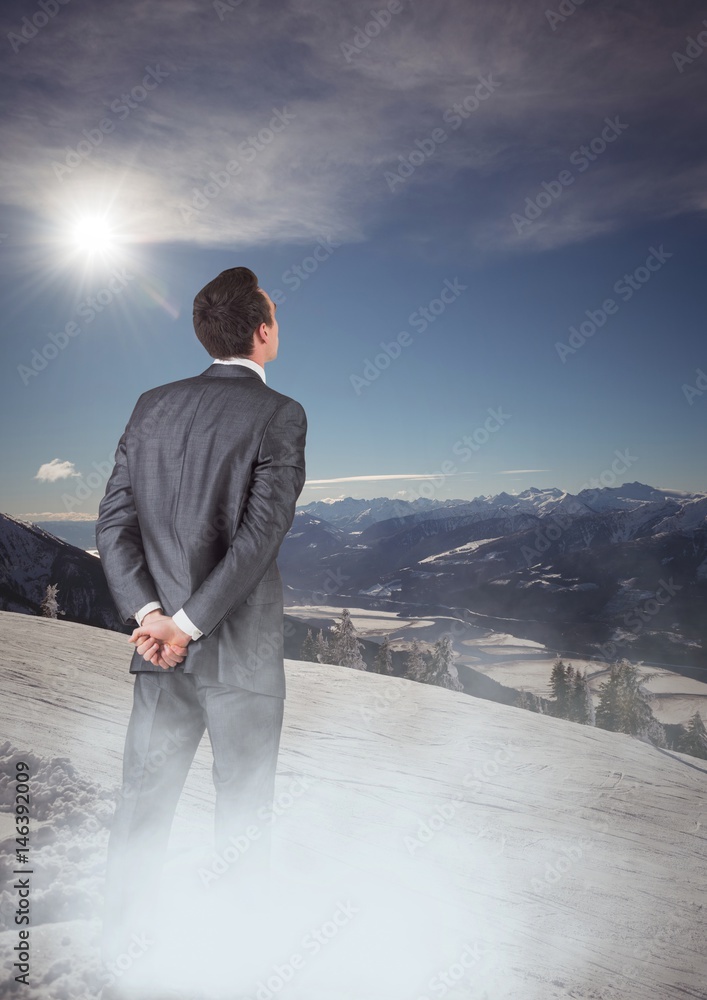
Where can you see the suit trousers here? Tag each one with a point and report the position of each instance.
(171, 709)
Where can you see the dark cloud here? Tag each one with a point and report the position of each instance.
(358, 99)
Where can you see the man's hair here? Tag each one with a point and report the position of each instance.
(227, 312)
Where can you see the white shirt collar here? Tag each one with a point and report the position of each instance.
(242, 361)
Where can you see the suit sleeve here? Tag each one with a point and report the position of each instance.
(119, 543)
(277, 481)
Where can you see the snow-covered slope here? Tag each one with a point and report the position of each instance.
(439, 845)
(32, 558)
(692, 514)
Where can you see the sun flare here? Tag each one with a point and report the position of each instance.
(93, 234)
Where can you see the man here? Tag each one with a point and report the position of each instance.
(206, 477)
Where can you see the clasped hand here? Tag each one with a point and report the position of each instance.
(158, 640)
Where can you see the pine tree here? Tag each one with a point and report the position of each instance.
(309, 648)
(582, 701)
(322, 651)
(694, 738)
(529, 701)
(624, 704)
(384, 657)
(346, 648)
(653, 732)
(561, 687)
(416, 667)
(608, 712)
(442, 671)
(569, 702)
(50, 605)
(637, 716)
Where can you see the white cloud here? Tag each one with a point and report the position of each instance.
(393, 475)
(50, 472)
(48, 515)
(512, 472)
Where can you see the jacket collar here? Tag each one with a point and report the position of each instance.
(231, 371)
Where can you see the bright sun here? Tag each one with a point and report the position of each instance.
(93, 234)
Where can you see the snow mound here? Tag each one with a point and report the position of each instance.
(426, 843)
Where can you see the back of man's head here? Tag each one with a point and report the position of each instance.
(228, 310)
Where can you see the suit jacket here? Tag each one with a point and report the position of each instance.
(203, 491)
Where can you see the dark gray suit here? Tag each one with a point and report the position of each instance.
(206, 477)
(203, 492)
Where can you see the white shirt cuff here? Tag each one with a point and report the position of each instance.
(152, 606)
(182, 621)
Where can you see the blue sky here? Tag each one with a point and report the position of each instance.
(456, 192)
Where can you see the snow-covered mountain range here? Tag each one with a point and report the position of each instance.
(624, 565)
(610, 568)
(354, 514)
